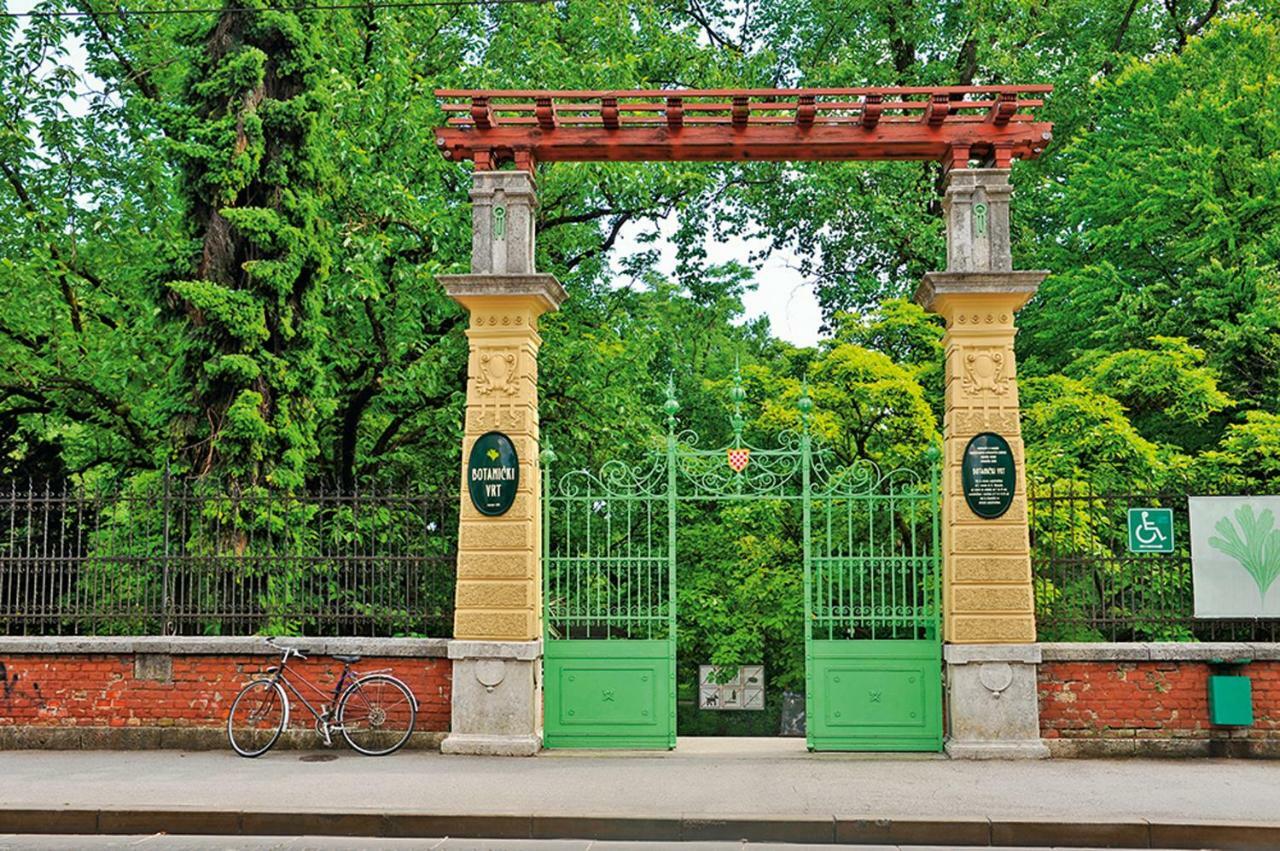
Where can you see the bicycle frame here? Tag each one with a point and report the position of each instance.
(280, 674)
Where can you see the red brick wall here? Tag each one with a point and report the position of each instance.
(102, 691)
(1116, 700)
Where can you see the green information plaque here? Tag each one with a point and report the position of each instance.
(493, 473)
(988, 475)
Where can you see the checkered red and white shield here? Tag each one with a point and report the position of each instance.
(738, 459)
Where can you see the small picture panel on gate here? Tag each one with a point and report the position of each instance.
(743, 690)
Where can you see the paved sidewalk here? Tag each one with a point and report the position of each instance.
(709, 788)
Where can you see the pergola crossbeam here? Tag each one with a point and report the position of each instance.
(950, 124)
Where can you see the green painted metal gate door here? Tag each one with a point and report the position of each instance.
(609, 606)
(873, 651)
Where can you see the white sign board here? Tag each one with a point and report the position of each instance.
(1235, 556)
(745, 690)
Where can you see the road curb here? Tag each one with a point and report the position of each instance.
(816, 829)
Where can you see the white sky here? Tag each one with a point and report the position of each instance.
(781, 292)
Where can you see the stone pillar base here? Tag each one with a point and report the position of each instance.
(497, 698)
(993, 707)
(473, 745)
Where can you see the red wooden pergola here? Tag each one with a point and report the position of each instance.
(951, 124)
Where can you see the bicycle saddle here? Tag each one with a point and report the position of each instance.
(345, 659)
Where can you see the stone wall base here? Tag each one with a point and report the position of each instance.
(169, 738)
(479, 745)
(1151, 699)
(127, 693)
(1163, 748)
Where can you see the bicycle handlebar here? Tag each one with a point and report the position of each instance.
(289, 651)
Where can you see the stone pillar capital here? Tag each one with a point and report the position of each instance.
(953, 295)
(966, 180)
(486, 292)
(484, 184)
(976, 207)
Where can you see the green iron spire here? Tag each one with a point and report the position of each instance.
(805, 404)
(672, 405)
(737, 394)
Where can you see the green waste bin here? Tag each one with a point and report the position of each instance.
(1231, 701)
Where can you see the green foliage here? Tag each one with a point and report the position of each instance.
(1170, 214)
(1248, 458)
(227, 259)
(1167, 393)
(740, 600)
(247, 126)
(1073, 432)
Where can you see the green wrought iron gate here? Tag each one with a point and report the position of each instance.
(609, 614)
(871, 588)
(873, 651)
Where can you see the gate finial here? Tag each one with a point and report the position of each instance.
(672, 405)
(737, 394)
(805, 404)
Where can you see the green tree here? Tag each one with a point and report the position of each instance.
(1167, 392)
(247, 129)
(1170, 215)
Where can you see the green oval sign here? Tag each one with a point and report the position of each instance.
(493, 473)
(988, 475)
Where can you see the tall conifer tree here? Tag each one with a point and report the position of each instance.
(249, 128)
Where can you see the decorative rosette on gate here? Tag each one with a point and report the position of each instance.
(738, 459)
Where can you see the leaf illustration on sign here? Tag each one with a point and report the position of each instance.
(1256, 546)
(493, 454)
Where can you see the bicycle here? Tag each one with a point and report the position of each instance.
(375, 713)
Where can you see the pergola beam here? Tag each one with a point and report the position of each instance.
(951, 124)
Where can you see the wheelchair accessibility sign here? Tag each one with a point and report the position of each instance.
(1150, 530)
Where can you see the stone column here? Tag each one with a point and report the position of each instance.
(497, 645)
(988, 604)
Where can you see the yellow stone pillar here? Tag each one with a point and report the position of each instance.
(987, 596)
(988, 601)
(497, 644)
(499, 578)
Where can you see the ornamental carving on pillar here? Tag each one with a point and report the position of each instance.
(984, 371)
(995, 677)
(498, 375)
(481, 416)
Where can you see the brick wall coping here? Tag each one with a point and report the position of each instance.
(221, 645)
(1158, 651)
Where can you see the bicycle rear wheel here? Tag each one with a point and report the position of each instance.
(257, 718)
(376, 714)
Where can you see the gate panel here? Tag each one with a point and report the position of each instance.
(872, 628)
(609, 607)
(608, 694)
(876, 695)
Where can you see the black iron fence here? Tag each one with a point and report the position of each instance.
(1090, 587)
(166, 557)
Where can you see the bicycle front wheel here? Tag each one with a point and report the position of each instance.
(258, 717)
(376, 714)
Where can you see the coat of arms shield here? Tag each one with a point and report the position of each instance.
(738, 459)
